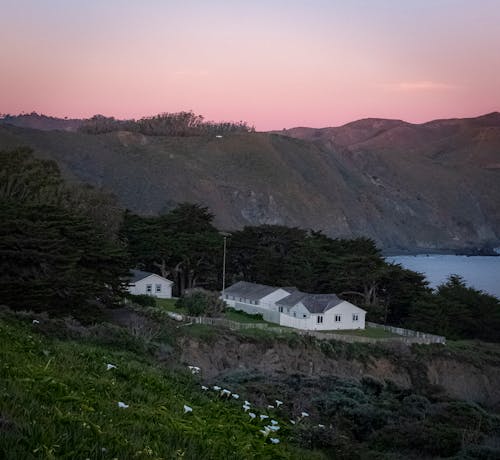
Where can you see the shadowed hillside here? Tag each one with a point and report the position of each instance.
(410, 187)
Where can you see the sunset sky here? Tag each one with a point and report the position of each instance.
(273, 63)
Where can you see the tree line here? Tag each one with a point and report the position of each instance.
(186, 247)
(181, 124)
(69, 248)
(59, 245)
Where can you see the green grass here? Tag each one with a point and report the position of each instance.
(169, 305)
(242, 317)
(58, 401)
(231, 314)
(371, 332)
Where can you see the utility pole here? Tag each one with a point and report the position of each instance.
(224, 268)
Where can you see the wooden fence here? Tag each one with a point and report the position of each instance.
(408, 333)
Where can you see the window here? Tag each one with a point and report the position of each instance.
(149, 288)
(227, 296)
(319, 319)
(295, 314)
(355, 317)
(304, 316)
(157, 287)
(338, 318)
(281, 309)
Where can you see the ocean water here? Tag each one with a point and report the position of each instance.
(479, 272)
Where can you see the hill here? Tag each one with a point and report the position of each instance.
(427, 187)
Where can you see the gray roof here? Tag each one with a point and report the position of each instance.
(315, 303)
(250, 291)
(138, 275)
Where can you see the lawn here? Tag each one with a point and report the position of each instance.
(371, 332)
(242, 317)
(169, 305)
(233, 315)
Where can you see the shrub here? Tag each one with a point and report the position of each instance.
(201, 302)
(432, 440)
(371, 385)
(143, 300)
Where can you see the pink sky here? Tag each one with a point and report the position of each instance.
(274, 64)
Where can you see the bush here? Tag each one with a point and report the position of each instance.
(201, 302)
(431, 440)
(143, 300)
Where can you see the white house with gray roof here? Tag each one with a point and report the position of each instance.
(147, 283)
(293, 308)
(319, 312)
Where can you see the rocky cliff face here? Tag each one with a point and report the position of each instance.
(410, 187)
(449, 376)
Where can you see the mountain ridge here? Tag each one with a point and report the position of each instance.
(412, 187)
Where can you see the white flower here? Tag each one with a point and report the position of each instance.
(274, 422)
(247, 403)
(265, 431)
(252, 415)
(35, 321)
(278, 403)
(225, 392)
(216, 388)
(292, 422)
(235, 396)
(304, 414)
(270, 407)
(275, 427)
(321, 426)
(263, 417)
(187, 409)
(110, 366)
(122, 405)
(274, 440)
(245, 407)
(204, 388)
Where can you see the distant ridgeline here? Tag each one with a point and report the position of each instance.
(180, 124)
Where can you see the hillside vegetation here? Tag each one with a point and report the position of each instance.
(59, 399)
(409, 187)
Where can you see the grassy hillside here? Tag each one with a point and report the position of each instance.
(58, 400)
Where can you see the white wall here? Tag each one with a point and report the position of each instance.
(300, 311)
(140, 287)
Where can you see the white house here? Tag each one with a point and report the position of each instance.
(319, 312)
(293, 308)
(146, 283)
